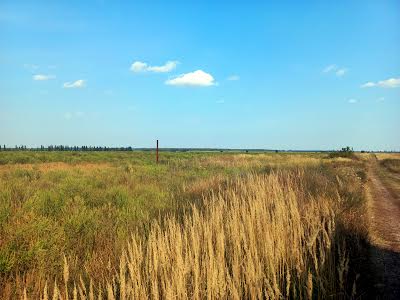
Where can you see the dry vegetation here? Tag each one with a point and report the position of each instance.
(199, 225)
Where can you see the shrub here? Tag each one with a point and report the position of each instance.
(345, 152)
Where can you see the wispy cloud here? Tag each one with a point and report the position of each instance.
(368, 84)
(388, 83)
(352, 101)
(31, 67)
(75, 84)
(41, 77)
(380, 99)
(329, 68)
(233, 77)
(220, 101)
(139, 67)
(197, 78)
(339, 71)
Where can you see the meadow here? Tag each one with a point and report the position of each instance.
(116, 225)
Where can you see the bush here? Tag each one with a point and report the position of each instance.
(345, 152)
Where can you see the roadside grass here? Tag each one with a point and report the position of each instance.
(393, 165)
(86, 206)
(389, 173)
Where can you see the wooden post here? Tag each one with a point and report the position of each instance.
(157, 152)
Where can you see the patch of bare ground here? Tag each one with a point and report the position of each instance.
(384, 215)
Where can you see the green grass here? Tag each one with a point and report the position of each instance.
(77, 202)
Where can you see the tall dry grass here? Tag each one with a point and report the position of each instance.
(262, 236)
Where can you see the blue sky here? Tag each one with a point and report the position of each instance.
(253, 74)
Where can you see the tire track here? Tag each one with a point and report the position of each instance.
(384, 214)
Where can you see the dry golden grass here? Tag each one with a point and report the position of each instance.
(263, 236)
(382, 156)
(204, 226)
(261, 160)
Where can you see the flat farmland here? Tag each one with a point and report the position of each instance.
(195, 225)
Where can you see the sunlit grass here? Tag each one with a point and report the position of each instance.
(86, 206)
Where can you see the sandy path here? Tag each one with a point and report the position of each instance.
(384, 212)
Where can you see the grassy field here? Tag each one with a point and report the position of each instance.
(197, 225)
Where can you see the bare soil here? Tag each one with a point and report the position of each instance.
(384, 214)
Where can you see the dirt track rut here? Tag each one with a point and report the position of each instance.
(384, 213)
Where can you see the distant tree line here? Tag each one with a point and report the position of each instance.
(344, 152)
(64, 148)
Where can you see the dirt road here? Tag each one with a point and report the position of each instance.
(384, 214)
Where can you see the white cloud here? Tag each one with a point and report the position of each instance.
(233, 77)
(139, 66)
(368, 84)
(388, 83)
(329, 68)
(196, 78)
(76, 84)
(41, 77)
(334, 68)
(168, 67)
(352, 101)
(341, 72)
